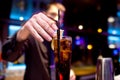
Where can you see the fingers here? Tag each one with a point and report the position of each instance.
(41, 27)
(72, 75)
(33, 32)
(50, 21)
(41, 31)
(72, 78)
(46, 26)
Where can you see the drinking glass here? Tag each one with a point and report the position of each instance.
(62, 57)
(105, 69)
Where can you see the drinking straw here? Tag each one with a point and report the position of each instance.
(58, 36)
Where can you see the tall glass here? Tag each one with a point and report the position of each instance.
(62, 57)
(105, 69)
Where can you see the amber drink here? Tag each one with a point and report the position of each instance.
(62, 57)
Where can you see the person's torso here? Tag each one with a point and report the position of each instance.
(37, 60)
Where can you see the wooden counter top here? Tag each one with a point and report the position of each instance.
(84, 70)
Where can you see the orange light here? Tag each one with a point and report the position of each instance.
(89, 46)
(99, 30)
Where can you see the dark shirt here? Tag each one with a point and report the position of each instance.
(36, 56)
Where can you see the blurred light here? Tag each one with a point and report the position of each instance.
(111, 19)
(115, 61)
(118, 13)
(77, 40)
(114, 32)
(80, 27)
(77, 37)
(115, 52)
(119, 60)
(89, 46)
(113, 38)
(112, 46)
(21, 18)
(17, 10)
(115, 29)
(16, 67)
(12, 29)
(99, 30)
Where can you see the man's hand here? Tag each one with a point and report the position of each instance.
(39, 26)
(72, 75)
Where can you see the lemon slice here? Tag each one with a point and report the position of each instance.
(52, 44)
(61, 35)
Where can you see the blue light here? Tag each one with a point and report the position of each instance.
(114, 38)
(79, 41)
(114, 32)
(12, 29)
(17, 12)
(118, 13)
(115, 52)
(119, 60)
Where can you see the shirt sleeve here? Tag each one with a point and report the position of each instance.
(12, 49)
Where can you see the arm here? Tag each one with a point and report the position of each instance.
(39, 26)
(12, 49)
